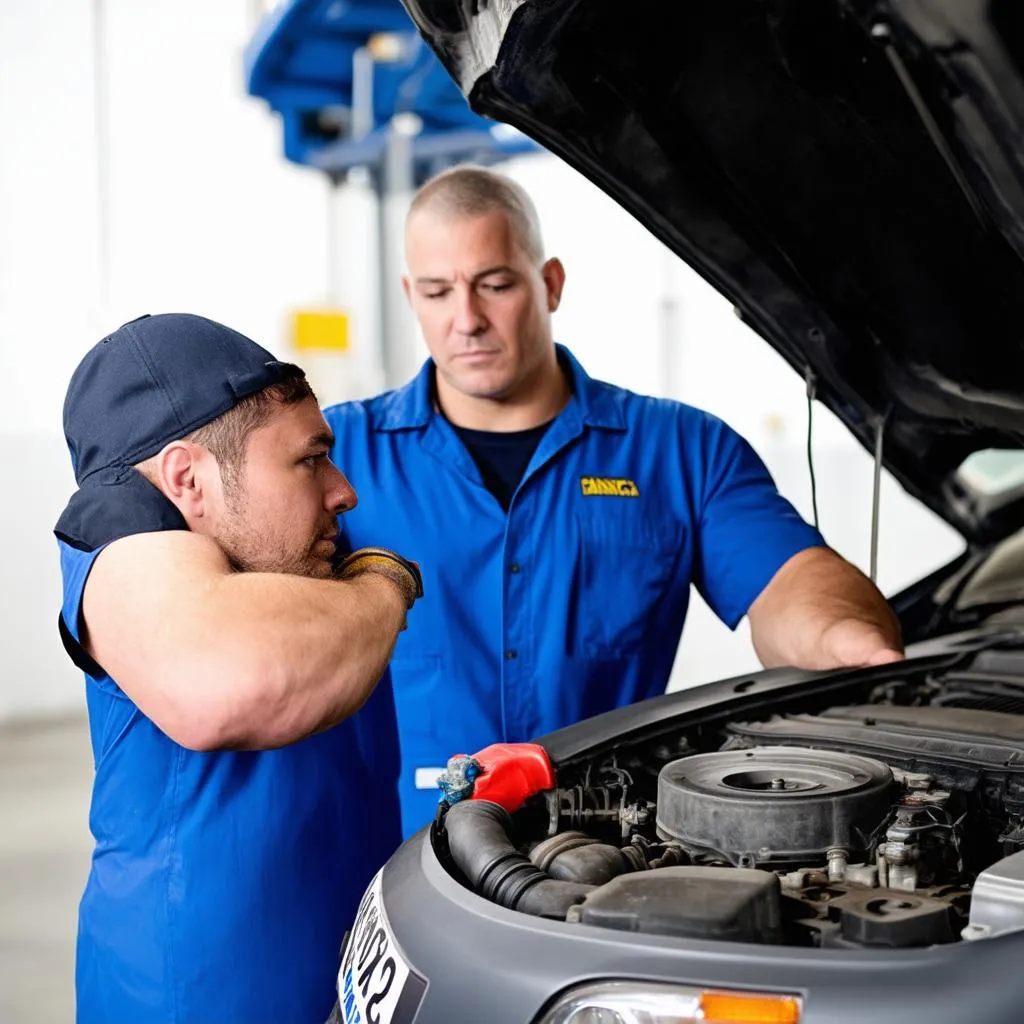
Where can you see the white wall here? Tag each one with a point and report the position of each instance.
(204, 215)
(48, 281)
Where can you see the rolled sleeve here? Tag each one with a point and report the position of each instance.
(748, 531)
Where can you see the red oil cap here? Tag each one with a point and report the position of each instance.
(510, 773)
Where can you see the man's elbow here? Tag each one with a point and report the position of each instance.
(209, 732)
(206, 727)
(203, 737)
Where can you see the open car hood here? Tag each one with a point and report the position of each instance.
(850, 174)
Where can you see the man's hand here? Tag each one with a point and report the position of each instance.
(852, 642)
(820, 612)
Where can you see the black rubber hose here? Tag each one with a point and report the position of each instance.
(478, 839)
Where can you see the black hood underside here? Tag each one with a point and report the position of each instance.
(849, 174)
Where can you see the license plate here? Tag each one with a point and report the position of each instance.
(375, 984)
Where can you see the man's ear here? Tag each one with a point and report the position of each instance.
(177, 471)
(554, 281)
(407, 288)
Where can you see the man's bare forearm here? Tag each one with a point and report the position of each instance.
(317, 663)
(220, 659)
(821, 612)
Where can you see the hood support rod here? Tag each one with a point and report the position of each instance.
(876, 494)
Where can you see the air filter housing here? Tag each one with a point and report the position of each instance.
(774, 807)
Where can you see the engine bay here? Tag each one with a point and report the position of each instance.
(896, 821)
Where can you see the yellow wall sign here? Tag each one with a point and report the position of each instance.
(321, 330)
(609, 487)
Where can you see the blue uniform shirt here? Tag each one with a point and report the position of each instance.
(222, 883)
(573, 602)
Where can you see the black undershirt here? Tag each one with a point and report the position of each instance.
(502, 458)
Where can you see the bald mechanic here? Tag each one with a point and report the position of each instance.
(245, 767)
(561, 521)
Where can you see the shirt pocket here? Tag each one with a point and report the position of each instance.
(628, 568)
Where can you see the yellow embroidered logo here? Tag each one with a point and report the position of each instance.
(609, 486)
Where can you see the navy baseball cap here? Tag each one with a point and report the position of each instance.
(154, 380)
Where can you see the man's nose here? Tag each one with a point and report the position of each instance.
(469, 316)
(340, 495)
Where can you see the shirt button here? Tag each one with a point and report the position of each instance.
(514, 567)
(511, 655)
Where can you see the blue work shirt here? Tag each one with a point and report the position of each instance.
(573, 602)
(222, 883)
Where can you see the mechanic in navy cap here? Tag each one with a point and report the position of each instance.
(246, 767)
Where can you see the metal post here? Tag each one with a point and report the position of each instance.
(335, 259)
(362, 93)
(395, 187)
(876, 496)
(354, 242)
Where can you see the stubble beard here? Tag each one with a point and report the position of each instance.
(250, 549)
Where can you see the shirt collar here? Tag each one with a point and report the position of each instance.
(412, 407)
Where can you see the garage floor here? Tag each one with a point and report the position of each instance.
(45, 781)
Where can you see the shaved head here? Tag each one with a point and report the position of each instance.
(468, 192)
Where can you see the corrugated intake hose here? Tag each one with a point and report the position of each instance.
(577, 857)
(478, 838)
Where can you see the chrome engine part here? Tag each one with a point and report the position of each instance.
(774, 807)
(918, 827)
(997, 902)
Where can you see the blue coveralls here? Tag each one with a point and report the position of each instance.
(222, 883)
(573, 602)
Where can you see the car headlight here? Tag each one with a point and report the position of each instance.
(639, 1002)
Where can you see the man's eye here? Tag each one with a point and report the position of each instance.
(436, 295)
(315, 460)
(501, 286)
